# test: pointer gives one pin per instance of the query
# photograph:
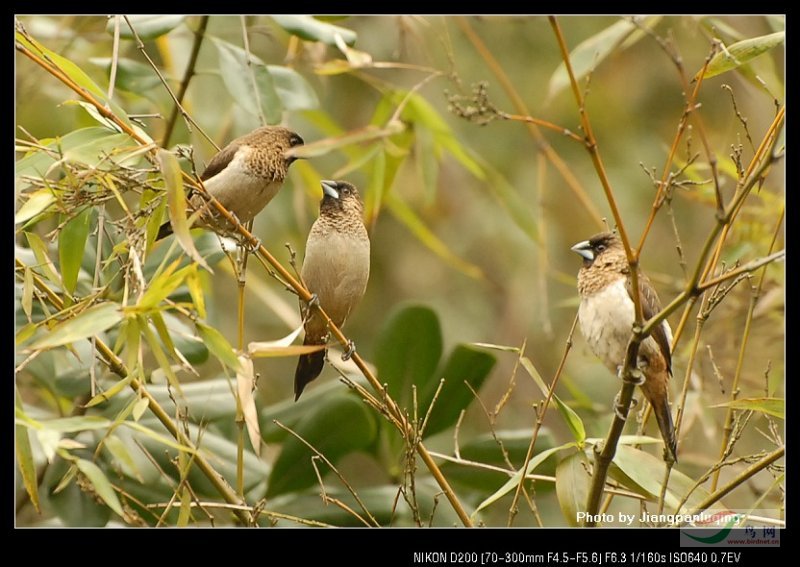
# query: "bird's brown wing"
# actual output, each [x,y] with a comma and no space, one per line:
[220,161]
[651,306]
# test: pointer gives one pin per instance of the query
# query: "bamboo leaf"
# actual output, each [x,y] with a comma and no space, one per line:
[239,70]
[71,244]
[100,483]
[246,388]
[46,266]
[27,468]
[37,202]
[571,418]
[311,29]
[147,27]
[512,483]
[176,200]
[741,52]
[218,345]
[572,486]
[592,51]
[770,406]
[89,323]
[292,88]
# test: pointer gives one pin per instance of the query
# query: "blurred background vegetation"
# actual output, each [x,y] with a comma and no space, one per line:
[471,215]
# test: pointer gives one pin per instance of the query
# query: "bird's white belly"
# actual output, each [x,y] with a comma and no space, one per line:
[606,318]
[240,191]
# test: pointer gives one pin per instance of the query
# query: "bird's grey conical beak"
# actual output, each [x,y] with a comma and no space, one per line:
[584,249]
[329,188]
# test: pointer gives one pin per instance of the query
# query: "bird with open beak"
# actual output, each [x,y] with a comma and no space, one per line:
[244,176]
[335,270]
[606,316]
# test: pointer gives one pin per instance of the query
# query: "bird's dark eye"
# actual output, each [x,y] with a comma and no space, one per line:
[600,247]
[295,140]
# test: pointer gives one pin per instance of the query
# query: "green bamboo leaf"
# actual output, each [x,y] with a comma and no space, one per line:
[75,423]
[147,27]
[45,265]
[218,345]
[75,73]
[341,425]
[512,483]
[592,51]
[119,452]
[573,421]
[160,286]
[39,163]
[27,467]
[27,293]
[71,242]
[644,473]
[119,386]
[741,52]
[311,29]
[101,484]
[405,215]
[89,323]
[158,353]
[37,202]
[572,486]
[292,88]
[465,364]
[486,450]
[171,170]
[407,352]
[770,406]
[239,70]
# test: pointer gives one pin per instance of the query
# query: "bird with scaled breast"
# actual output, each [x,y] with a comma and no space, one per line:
[606,316]
[335,270]
[244,176]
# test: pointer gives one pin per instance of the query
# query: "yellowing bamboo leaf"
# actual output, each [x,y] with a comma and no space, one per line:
[173,180]
[770,406]
[139,409]
[27,468]
[89,323]
[245,388]
[37,202]
[740,53]
[110,393]
[46,265]
[27,292]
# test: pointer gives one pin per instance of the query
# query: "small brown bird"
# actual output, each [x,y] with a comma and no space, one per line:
[606,316]
[335,269]
[245,175]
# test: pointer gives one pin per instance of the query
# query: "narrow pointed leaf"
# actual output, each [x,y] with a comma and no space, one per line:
[572,486]
[741,52]
[89,323]
[71,242]
[101,484]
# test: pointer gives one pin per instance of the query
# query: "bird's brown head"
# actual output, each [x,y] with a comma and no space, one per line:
[340,198]
[600,245]
[275,142]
